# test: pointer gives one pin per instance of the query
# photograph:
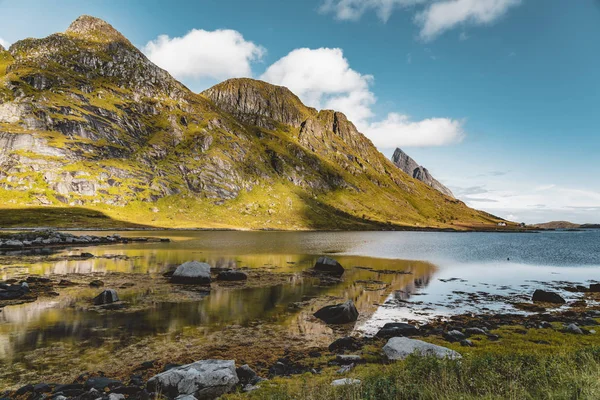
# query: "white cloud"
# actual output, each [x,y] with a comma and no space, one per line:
[323,78]
[200,54]
[436,17]
[4,43]
[444,15]
[399,131]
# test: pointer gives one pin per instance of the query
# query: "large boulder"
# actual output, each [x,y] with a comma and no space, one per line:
[543,296]
[338,314]
[328,266]
[595,287]
[207,379]
[399,348]
[393,329]
[192,272]
[108,296]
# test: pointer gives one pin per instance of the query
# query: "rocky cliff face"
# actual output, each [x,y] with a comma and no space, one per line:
[410,166]
[87,120]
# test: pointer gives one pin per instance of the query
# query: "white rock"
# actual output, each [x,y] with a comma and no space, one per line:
[398,348]
[345,382]
[193,272]
[207,379]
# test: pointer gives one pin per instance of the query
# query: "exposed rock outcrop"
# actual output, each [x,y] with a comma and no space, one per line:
[108,296]
[410,166]
[398,348]
[207,379]
[192,272]
[338,314]
[544,296]
[328,266]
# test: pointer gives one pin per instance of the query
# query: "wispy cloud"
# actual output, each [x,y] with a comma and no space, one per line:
[433,17]
[354,9]
[442,16]
[4,43]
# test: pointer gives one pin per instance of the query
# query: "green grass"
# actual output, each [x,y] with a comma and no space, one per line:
[515,367]
[485,376]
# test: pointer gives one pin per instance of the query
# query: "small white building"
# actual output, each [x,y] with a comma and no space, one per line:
[501,223]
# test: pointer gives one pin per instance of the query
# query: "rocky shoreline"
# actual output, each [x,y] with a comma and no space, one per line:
[212,378]
[208,378]
[47,238]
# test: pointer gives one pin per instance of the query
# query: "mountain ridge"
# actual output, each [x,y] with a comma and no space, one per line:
[86,120]
[412,168]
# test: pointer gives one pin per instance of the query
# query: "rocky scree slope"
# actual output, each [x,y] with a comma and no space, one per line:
[410,166]
[87,120]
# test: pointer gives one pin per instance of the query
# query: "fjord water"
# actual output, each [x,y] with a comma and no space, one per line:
[384,271]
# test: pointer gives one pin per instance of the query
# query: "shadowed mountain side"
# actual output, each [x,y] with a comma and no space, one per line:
[63,217]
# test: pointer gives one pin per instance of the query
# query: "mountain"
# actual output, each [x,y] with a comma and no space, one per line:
[410,166]
[556,225]
[565,225]
[88,123]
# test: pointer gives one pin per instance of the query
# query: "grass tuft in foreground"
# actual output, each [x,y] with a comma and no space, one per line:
[564,375]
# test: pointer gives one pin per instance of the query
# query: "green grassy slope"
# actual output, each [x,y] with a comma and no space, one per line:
[87,121]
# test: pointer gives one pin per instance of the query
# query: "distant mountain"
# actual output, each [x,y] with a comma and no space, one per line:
[410,166]
[86,120]
[565,225]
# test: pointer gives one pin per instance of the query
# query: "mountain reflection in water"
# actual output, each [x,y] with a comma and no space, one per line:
[49,321]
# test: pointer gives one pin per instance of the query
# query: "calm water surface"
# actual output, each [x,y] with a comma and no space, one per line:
[437,268]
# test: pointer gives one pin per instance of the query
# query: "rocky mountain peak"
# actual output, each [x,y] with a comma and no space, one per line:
[259,103]
[412,168]
[95,29]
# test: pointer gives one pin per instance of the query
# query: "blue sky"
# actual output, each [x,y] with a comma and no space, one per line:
[498,98]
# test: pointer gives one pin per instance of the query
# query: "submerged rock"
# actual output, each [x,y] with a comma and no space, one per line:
[231,276]
[338,314]
[399,348]
[393,329]
[108,296]
[543,296]
[328,265]
[207,379]
[192,272]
